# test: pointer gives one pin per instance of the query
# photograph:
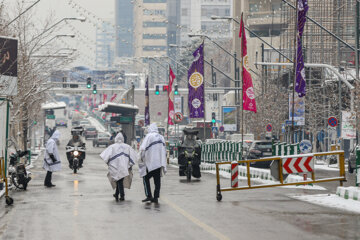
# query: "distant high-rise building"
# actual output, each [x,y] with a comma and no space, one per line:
[150,28]
[105,45]
[196,15]
[124,19]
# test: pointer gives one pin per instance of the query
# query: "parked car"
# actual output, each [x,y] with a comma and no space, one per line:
[90,132]
[102,139]
[260,149]
[61,122]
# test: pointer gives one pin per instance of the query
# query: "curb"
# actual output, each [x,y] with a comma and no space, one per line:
[348,193]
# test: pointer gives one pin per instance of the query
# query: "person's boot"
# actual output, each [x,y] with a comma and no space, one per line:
[122,198]
[155,200]
[148,199]
[116,197]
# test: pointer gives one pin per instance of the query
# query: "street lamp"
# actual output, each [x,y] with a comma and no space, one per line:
[61,35]
[81,19]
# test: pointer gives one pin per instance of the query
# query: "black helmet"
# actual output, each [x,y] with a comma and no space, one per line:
[77,130]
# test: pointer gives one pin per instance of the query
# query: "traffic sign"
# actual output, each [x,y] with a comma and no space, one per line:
[178,117]
[221,129]
[269,127]
[214,129]
[50,116]
[332,121]
[298,164]
[141,123]
[305,146]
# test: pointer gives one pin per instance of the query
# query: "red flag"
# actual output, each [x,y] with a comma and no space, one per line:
[171,97]
[243,36]
[105,98]
[249,102]
[113,97]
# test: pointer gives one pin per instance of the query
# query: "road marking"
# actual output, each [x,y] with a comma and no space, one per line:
[196,221]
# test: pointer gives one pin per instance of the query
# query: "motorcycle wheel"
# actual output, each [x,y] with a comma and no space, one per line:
[75,169]
[188,173]
[9,201]
[15,181]
[25,186]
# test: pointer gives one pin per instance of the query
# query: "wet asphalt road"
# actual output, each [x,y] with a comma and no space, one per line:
[81,207]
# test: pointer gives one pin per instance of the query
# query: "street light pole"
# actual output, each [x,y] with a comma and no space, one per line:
[22,13]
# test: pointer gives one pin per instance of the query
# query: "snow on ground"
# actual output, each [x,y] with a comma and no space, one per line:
[97,124]
[330,200]
[333,167]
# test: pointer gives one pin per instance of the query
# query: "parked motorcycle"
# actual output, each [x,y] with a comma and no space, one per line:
[76,156]
[19,176]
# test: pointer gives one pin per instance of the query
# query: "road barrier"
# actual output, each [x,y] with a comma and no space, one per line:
[296,164]
[224,150]
[283,149]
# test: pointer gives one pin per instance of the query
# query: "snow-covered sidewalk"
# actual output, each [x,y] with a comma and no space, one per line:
[97,124]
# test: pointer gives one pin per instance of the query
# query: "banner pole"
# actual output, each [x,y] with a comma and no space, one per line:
[294,80]
[242,92]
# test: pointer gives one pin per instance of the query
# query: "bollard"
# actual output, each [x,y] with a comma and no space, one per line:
[234,175]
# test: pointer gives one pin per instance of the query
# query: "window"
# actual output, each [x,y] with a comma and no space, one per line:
[253,7]
[154,24]
[184,12]
[154,12]
[154,48]
[154,36]
[154,1]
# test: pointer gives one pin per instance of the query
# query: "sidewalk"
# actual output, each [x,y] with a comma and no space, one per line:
[36,154]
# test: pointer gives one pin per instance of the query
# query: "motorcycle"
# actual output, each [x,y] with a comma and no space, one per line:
[189,156]
[75,155]
[17,170]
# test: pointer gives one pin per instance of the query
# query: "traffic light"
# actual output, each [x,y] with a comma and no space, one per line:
[157,92]
[165,88]
[213,116]
[88,82]
[94,89]
[176,91]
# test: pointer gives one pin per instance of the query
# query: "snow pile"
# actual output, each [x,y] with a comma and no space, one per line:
[349,193]
[330,200]
[97,124]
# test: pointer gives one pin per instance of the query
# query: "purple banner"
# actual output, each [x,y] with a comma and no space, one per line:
[300,86]
[196,84]
[147,113]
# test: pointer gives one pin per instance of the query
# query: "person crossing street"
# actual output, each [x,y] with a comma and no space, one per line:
[52,161]
[152,163]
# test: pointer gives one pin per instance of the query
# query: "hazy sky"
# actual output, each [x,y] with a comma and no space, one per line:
[85,32]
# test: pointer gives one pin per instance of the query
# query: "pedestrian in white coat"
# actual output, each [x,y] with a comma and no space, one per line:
[52,162]
[120,158]
[152,162]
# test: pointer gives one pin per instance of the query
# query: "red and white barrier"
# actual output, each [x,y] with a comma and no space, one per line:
[234,174]
[298,164]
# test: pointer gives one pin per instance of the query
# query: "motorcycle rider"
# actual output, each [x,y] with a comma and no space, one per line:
[75,141]
[190,141]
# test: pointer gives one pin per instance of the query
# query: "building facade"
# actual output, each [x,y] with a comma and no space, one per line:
[150,28]
[105,46]
[124,19]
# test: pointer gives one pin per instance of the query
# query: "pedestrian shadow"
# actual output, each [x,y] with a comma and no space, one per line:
[192,181]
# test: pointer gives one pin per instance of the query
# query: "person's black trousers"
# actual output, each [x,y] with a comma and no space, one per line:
[47,181]
[120,188]
[156,174]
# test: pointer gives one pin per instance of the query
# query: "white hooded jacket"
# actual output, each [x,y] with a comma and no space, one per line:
[51,148]
[153,151]
[119,157]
